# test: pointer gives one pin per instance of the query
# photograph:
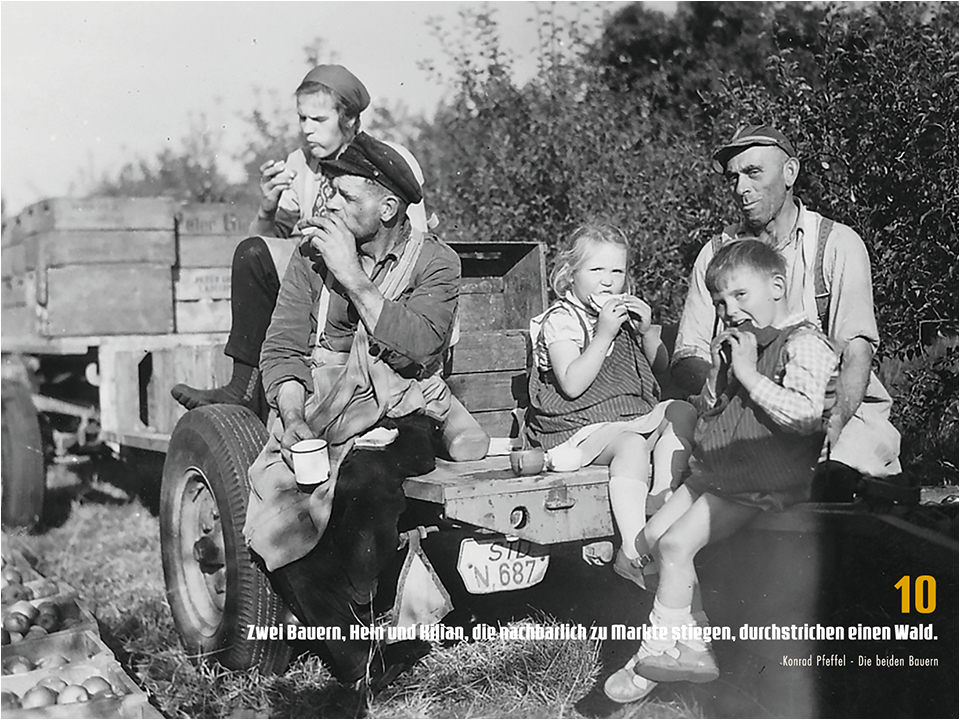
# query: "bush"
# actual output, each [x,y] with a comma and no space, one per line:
[924,388]
[623,129]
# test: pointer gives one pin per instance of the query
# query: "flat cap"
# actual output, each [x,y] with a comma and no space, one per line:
[369,158]
[341,81]
[747,137]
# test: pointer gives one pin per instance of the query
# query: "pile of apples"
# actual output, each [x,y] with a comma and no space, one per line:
[21,618]
[56,691]
[13,588]
[24,620]
[15,665]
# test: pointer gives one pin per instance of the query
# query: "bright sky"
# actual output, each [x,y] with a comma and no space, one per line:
[88,86]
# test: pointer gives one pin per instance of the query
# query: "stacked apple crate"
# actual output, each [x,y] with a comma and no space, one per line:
[89,267]
[54,663]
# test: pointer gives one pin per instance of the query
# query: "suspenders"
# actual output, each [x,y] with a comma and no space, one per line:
[821,292]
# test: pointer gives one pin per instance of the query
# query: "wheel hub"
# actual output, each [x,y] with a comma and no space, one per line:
[202,551]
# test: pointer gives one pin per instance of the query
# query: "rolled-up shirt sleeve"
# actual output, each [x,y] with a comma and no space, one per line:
[851,312]
[699,317]
[285,352]
[796,404]
[414,330]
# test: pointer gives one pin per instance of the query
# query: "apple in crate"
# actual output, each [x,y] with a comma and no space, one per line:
[27,609]
[52,661]
[15,592]
[98,687]
[16,665]
[54,683]
[38,696]
[16,623]
[9,700]
[73,694]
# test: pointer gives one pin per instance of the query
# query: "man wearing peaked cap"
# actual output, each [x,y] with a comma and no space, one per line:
[369,158]
[828,277]
[363,319]
[750,136]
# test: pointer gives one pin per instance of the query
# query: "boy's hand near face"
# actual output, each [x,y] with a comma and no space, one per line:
[743,355]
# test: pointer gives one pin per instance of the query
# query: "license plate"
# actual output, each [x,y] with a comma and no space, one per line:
[489,566]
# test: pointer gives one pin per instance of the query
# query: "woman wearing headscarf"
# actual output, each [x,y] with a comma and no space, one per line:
[329,102]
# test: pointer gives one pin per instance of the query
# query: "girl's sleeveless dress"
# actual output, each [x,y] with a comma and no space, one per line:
[624,397]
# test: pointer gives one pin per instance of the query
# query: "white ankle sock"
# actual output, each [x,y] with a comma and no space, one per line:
[668,618]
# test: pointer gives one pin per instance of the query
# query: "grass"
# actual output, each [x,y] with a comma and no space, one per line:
[108,547]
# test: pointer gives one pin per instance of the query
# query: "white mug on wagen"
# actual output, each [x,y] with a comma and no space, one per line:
[311,463]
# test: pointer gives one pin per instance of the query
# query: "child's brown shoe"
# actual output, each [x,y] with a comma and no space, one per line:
[680,662]
[633,569]
[625,686]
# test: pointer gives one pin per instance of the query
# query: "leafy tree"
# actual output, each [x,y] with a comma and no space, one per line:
[623,129]
[190,173]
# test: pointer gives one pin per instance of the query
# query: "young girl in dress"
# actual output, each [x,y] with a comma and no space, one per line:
[593,394]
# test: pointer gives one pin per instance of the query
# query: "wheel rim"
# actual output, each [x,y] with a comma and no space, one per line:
[203,567]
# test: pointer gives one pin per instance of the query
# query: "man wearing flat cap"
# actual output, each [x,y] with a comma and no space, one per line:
[353,352]
[828,277]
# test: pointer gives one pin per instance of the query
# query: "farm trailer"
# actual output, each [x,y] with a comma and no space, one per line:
[108,302]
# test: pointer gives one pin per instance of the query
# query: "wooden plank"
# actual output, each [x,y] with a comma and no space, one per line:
[480,392]
[203,316]
[481,286]
[495,423]
[108,299]
[144,440]
[210,283]
[214,219]
[486,351]
[120,389]
[490,476]
[207,250]
[8,233]
[481,312]
[33,344]
[13,260]
[103,213]
[86,247]
[107,367]
[200,366]
[15,291]
[19,324]
[524,289]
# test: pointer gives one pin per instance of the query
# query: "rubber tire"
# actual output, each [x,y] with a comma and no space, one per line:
[23,472]
[220,442]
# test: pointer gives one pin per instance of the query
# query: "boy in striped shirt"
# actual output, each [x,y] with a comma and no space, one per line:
[758,439]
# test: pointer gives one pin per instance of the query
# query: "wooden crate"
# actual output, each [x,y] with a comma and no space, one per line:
[207,236]
[503,285]
[202,299]
[102,213]
[107,299]
[89,267]
[126,703]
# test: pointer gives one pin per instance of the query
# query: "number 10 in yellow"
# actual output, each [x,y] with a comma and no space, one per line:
[925,593]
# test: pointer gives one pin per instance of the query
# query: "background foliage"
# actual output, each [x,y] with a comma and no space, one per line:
[622,128]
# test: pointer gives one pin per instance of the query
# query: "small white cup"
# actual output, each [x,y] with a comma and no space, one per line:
[311,463]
